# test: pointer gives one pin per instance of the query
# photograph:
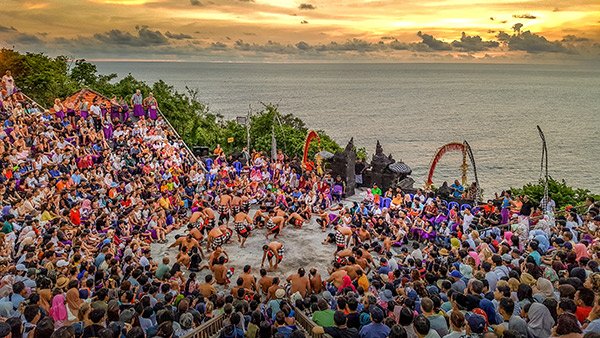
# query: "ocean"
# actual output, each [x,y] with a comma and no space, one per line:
[414,109]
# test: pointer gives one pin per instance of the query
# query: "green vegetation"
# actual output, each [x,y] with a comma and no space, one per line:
[560,192]
[44,78]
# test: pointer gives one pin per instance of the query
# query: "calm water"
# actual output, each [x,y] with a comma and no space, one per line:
[416,108]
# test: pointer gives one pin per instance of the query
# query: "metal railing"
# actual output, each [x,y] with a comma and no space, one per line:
[187,148]
[190,152]
[307,324]
[209,329]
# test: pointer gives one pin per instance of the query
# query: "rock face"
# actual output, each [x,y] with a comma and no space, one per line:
[342,164]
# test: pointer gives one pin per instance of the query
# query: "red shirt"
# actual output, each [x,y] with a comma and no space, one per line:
[582,313]
[75,216]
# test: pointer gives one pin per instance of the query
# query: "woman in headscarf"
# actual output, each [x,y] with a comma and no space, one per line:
[58,311]
[508,238]
[476,258]
[581,251]
[543,289]
[73,303]
[540,321]
[346,283]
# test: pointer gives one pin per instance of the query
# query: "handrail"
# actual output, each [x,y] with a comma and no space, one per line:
[191,153]
[306,323]
[207,329]
[32,101]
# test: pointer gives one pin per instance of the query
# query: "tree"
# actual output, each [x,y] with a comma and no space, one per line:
[44,78]
[559,191]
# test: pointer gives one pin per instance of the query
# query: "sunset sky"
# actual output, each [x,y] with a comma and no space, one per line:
[304,30]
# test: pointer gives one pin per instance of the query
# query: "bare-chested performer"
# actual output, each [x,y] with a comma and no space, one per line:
[316,283]
[236,204]
[272,252]
[351,268]
[265,282]
[224,206]
[186,243]
[362,235]
[260,217]
[241,224]
[280,212]
[248,278]
[215,255]
[219,270]
[296,220]
[336,276]
[245,203]
[342,256]
[217,237]
[209,219]
[274,224]
[195,232]
[346,235]
[299,282]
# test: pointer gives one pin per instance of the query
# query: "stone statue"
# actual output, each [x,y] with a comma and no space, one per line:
[342,164]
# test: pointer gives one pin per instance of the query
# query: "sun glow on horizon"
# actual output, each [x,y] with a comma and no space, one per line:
[181,26]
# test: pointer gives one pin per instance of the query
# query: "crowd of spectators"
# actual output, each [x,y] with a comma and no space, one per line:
[89,187]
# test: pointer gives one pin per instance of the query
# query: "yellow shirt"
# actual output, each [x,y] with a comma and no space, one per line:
[363,282]
[164,202]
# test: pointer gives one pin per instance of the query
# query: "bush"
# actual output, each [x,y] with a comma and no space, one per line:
[559,191]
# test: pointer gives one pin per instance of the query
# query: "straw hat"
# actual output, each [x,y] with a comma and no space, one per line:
[62,282]
[528,279]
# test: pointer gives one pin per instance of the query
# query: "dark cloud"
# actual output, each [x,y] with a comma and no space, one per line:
[388,38]
[533,43]
[303,22]
[503,37]
[524,16]
[195,3]
[397,45]
[23,38]
[7,29]
[303,46]
[517,27]
[356,45]
[246,0]
[305,6]
[573,38]
[218,46]
[144,38]
[433,43]
[178,36]
[269,47]
[473,43]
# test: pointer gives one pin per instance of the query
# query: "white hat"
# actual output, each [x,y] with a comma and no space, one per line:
[280,293]
[62,263]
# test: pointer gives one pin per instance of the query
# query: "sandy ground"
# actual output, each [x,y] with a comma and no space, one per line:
[303,248]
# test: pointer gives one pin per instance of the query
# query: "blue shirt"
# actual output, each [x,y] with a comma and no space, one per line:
[374,330]
[457,190]
[537,257]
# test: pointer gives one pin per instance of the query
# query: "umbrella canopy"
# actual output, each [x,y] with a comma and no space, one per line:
[400,168]
[325,154]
